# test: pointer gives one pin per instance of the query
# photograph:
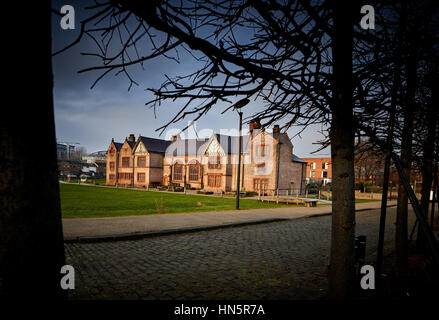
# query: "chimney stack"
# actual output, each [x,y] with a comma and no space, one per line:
[276,129]
[132,137]
[254,124]
[175,138]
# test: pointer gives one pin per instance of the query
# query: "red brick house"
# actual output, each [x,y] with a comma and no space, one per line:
[318,170]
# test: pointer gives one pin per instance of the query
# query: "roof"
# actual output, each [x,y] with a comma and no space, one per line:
[186,147]
[297,159]
[131,143]
[230,144]
[118,145]
[155,145]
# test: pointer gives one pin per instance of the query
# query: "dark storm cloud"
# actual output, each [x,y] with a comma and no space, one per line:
[93,117]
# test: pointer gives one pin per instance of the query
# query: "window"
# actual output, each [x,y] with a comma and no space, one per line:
[125,162]
[193,172]
[260,184]
[313,165]
[111,177]
[125,176]
[324,174]
[112,152]
[260,168]
[141,177]
[141,162]
[178,172]
[325,165]
[214,180]
[214,162]
[313,174]
[112,166]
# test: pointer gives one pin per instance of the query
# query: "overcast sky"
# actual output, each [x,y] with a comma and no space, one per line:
[92,117]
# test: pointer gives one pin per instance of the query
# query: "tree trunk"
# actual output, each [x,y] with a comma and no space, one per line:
[401,245]
[341,272]
[31,240]
[427,159]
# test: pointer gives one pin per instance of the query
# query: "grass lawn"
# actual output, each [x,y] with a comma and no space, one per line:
[365,200]
[87,201]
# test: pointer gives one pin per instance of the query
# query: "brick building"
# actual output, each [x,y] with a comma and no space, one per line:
[318,170]
[211,164]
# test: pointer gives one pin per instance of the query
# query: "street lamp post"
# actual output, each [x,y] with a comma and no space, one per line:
[238,180]
[238,105]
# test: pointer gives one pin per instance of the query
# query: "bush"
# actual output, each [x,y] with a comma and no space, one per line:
[250,194]
[204,192]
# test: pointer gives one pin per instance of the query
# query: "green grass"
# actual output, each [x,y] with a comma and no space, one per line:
[102,181]
[366,200]
[79,201]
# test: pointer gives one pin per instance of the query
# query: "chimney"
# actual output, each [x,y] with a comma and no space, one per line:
[175,138]
[254,124]
[132,137]
[276,129]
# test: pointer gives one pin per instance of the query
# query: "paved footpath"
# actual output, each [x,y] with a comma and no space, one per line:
[132,226]
[277,260]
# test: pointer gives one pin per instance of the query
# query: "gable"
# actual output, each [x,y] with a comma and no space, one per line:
[140,148]
[126,148]
[214,148]
[114,147]
[111,147]
[263,137]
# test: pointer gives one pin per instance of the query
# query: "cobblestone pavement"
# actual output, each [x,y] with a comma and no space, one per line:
[278,260]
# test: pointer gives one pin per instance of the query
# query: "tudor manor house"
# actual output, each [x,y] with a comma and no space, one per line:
[210,164]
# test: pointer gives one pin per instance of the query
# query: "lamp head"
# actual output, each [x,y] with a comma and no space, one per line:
[241,103]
